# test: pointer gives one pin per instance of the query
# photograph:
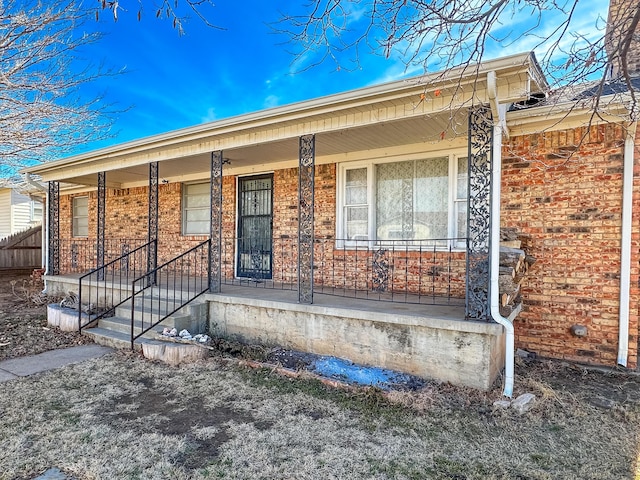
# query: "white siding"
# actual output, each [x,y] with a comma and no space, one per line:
[20,211]
[5,212]
[15,212]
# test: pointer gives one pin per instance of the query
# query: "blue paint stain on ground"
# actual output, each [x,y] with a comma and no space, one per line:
[346,371]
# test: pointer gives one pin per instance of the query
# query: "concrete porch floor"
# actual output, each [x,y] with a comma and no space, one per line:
[324,300]
[398,304]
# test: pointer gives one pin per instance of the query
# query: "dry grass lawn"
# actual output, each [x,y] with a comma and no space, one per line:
[123,417]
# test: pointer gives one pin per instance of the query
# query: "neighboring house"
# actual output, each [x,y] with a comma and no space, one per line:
[18,211]
[366,224]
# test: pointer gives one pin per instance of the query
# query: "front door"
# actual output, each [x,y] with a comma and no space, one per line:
[255,221]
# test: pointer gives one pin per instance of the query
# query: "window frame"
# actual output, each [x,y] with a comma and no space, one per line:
[35,206]
[453,198]
[184,209]
[74,217]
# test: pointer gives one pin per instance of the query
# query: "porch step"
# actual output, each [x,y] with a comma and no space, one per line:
[114,338]
[116,331]
[123,325]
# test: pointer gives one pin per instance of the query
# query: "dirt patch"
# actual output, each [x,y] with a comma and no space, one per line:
[291,359]
[23,324]
[204,429]
[601,387]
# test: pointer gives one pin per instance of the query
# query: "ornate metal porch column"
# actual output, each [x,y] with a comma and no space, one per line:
[152,255]
[53,239]
[306,171]
[100,230]
[479,213]
[215,233]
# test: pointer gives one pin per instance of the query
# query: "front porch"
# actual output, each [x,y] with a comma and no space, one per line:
[430,341]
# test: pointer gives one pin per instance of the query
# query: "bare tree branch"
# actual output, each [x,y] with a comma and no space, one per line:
[42,115]
[437,35]
[173,10]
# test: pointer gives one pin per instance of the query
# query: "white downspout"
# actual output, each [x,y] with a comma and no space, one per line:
[625,256]
[494,254]
[45,229]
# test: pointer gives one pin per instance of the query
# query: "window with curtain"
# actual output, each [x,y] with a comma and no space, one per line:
[80,217]
[196,208]
[406,200]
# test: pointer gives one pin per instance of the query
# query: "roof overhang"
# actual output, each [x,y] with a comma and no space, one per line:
[418,112]
[571,114]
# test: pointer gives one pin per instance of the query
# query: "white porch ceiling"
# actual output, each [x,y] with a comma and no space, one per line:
[417,130]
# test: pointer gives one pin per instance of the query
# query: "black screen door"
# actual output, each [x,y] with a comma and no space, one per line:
[255,221]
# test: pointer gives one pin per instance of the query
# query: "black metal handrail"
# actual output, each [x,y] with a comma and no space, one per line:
[167,288]
[104,279]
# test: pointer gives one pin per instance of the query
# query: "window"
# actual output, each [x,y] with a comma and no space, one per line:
[196,209]
[406,200]
[80,221]
[36,211]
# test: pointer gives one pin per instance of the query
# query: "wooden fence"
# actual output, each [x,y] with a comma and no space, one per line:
[22,250]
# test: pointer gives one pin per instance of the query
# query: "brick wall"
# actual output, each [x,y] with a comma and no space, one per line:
[564,188]
[127,218]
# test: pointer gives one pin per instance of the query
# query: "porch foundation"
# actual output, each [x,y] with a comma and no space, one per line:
[435,346]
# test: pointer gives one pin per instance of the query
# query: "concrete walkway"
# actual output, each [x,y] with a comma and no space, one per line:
[25,366]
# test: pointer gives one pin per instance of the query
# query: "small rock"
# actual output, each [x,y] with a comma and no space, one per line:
[524,354]
[523,403]
[601,402]
[504,404]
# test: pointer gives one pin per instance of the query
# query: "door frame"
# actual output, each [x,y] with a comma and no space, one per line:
[238,226]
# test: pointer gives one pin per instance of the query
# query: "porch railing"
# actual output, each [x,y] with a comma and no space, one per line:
[164,290]
[428,271]
[78,255]
[103,289]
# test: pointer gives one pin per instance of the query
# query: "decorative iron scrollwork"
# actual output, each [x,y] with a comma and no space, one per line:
[54,228]
[100,233]
[74,256]
[124,262]
[215,234]
[306,173]
[152,255]
[380,270]
[479,213]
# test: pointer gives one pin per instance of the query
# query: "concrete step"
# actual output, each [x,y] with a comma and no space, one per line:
[123,325]
[112,338]
[192,317]
[149,315]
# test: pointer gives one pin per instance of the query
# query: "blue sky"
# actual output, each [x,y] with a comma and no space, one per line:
[172,81]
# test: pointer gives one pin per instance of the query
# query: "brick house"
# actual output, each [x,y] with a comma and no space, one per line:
[367,224]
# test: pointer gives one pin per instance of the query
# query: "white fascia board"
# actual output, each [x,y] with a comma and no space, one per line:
[563,115]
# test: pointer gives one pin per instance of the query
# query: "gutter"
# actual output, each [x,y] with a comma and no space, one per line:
[494,254]
[625,255]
